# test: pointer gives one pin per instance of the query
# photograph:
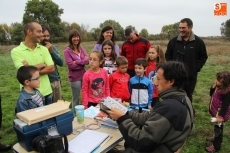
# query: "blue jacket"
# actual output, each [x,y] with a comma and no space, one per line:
[143,87]
[25,102]
[57,61]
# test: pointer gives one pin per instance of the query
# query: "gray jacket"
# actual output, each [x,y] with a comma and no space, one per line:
[164,129]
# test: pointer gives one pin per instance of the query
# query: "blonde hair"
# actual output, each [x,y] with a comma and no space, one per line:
[161,56]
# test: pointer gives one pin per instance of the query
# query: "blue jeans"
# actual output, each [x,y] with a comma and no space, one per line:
[48,99]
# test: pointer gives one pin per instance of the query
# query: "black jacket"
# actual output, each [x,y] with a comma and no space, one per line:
[192,52]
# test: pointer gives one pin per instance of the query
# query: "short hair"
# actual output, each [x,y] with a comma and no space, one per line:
[128,31]
[101,37]
[28,26]
[188,21]
[121,60]
[25,73]
[73,33]
[141,62]
[45,28]
[175,70]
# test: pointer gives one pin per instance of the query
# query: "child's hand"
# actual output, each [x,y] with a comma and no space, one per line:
[150,108]
[214,85]
[219,119]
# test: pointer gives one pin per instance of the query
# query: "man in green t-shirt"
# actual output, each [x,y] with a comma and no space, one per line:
[30,52]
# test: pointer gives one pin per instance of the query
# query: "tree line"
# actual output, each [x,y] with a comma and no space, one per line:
[48,13]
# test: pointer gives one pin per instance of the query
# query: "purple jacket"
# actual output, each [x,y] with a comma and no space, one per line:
[97,47]
[76,64]
[219,104]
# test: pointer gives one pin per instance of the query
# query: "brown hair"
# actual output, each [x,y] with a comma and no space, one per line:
[224,78]
[100,57]
[28,26]
[141,62]
[73,33]
[121,60]
[111,44]
[161,56]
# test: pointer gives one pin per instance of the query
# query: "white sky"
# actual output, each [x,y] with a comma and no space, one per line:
[149,14]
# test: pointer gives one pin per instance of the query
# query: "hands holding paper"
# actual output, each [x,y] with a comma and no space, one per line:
[115,113]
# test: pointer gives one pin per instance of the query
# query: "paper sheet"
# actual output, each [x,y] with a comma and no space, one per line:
[87,141]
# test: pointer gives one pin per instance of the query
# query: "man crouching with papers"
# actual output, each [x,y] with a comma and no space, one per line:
[165,128]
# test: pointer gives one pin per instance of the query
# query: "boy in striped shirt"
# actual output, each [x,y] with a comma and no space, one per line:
[29,97]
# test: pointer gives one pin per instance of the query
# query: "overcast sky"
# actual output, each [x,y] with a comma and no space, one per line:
[149,14]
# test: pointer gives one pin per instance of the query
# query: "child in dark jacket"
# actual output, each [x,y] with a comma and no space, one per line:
[29,97]
[219,108]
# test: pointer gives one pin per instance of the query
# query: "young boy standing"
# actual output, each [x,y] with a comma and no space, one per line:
[29,96]
[118,80]
[140,87]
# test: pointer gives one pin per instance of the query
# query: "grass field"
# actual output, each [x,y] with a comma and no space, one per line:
[218,52]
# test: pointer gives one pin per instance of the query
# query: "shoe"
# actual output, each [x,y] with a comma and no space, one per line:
[210,149]
[4,147]
[211,139]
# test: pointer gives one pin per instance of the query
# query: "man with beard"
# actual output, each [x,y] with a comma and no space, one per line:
[30,52]
[189,49]
[53,77]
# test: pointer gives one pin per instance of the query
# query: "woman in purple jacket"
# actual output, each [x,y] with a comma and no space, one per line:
[107,33]
[76,58]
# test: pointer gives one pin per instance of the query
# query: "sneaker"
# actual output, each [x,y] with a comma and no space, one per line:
[210,149]
[211,139]
[4,147]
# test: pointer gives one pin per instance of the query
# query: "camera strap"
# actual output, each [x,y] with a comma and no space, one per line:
[65,142]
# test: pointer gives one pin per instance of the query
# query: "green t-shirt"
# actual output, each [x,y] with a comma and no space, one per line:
[37,56]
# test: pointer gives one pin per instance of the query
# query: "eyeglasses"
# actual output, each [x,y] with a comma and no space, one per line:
[33,79]
[93,60]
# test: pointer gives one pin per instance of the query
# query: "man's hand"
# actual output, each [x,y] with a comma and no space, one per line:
[49,46]
[25,63]
[41,66]
[115,113]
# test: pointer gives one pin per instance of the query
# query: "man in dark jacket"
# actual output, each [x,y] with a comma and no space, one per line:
[165,128]
[189,49]
[133,48]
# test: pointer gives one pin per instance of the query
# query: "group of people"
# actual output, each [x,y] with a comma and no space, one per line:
[137,73]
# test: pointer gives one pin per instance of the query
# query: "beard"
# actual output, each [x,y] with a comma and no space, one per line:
[43,42]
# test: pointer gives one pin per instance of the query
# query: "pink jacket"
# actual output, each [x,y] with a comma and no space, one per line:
[95,86]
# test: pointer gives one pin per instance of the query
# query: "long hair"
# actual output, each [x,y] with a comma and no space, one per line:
[101,38]
[113,53]
[73,33]
[161,56]
[224,78]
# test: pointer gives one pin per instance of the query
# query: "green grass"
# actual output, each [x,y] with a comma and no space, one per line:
[218,52]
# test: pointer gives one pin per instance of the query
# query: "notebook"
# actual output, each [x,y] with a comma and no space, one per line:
[110,123]
[87,141]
